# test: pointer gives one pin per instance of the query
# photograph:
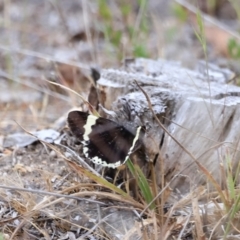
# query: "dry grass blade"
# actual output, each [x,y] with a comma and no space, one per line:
[184,227]
[21,224]
[46,202]
[215,183]
[140,226]
[43,56]
[34,86]
[207,18]
[200,191]
[198,222]
[123,195]
[84,236]
[45,193]
[90,107]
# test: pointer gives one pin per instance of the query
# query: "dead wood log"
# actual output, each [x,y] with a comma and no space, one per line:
[201,111]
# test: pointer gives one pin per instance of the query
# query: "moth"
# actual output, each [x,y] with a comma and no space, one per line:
[104,141]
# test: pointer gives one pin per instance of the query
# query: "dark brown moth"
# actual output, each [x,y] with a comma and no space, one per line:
[105,142]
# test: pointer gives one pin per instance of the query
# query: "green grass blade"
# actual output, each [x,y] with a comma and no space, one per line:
[142,183]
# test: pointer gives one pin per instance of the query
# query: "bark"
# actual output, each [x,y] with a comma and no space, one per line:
[199,110]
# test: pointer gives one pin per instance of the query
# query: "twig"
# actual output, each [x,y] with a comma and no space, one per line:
[207,18]
[50,194]
[44,56]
